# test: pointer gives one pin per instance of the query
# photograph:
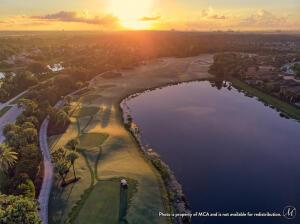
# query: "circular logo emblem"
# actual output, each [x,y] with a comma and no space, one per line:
[289,212]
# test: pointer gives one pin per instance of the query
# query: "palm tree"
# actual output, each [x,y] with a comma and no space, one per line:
[68,99]
[62,168]
[61,117]
[72,144]
[7,157]
[58,155]
[72,157]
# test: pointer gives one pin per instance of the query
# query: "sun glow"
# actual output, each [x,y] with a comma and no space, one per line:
[131,12]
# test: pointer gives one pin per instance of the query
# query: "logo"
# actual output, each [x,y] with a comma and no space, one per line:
[289,212]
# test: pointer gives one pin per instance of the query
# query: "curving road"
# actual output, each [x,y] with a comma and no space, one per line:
[48,172]
[48,166]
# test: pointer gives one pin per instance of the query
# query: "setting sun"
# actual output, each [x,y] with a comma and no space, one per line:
[131,12]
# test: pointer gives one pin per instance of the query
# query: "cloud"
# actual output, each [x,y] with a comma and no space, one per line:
[150,18]
[263,18]
[71,16]
[217,17]
[211,14]
[21,20]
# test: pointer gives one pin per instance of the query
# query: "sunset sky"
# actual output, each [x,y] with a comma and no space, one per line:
[199,15]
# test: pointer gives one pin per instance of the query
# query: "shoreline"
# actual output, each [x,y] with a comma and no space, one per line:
[182,206]
[177,199]
[157,192]
[283,108]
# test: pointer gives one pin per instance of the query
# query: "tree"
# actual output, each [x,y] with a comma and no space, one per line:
[30,158]
[59,154]
[62,168]
[62,165]
[37,67]
[68,99]
[29,105]
[27,189]
[18,210]
[7,157]
[22,119]
[30,135]
[72,157]
[10,127]
[61,117]
[73,144]
[27,124]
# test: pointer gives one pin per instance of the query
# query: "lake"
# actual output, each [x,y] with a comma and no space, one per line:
[230,152]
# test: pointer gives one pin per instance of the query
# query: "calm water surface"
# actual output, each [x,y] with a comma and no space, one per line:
[230,152]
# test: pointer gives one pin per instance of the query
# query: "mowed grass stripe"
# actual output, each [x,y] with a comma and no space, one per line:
[86,111]
[103,203]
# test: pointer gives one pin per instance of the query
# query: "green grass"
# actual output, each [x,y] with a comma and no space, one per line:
[92,140]
[62,200]
[86,111]
[282,106]
[4,110]
[89,98]
[119,157]
[83,123]
[105,203]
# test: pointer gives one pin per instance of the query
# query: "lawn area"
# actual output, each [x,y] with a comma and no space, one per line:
[89,98]
[86,111]
[282,106]
[62,200]
[119,157]
[107,159]
[91,140]
[103,204]
[4,110]
[83,123]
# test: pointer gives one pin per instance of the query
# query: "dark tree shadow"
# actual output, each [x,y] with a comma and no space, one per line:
[123,205]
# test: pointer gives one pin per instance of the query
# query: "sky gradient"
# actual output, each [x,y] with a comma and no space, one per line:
[202,15]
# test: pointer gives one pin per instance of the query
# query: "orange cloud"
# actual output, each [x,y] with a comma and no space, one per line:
[211,14]
[263,18]
[150,18]
[71,16]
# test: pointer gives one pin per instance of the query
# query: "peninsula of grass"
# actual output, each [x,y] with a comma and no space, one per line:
[4,110]
[105,160]
[86,111]
[284,107]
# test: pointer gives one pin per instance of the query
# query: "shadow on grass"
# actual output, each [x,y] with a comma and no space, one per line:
[60,196]
[123,205]
[105,116]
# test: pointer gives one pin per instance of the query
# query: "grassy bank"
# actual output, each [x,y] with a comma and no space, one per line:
[284,107]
